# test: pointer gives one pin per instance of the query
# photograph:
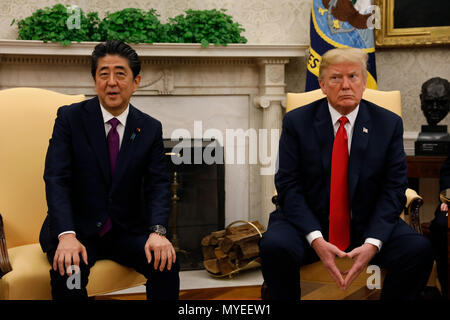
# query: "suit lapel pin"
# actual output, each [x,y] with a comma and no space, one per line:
[365,130]
[138,130]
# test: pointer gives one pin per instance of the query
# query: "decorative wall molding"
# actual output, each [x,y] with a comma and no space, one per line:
[34,47]
[198,61]
[38,59]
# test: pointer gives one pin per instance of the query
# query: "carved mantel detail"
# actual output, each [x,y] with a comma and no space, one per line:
[161,81]
[264,102]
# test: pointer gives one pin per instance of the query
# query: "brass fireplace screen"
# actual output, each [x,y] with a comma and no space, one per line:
[198,200]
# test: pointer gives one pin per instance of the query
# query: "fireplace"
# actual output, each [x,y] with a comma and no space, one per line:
[197,195]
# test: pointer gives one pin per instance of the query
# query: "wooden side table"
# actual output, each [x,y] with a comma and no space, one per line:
[423,167]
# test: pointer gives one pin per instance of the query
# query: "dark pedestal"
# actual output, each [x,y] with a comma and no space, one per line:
[432,141]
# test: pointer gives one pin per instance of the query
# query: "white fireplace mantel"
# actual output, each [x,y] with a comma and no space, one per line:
[244,82]
[34,47]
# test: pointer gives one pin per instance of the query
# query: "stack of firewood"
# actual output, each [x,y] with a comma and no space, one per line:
[227,250]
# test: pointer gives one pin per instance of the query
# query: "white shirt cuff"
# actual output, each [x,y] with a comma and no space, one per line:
[66,232]
[375,242]
[310,237]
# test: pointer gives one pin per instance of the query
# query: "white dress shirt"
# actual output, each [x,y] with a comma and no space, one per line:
[349,126]
[120,130]
[122,122]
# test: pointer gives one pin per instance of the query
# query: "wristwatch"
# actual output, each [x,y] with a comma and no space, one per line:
[159,229]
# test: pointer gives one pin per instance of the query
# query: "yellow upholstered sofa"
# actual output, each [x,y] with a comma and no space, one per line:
[27,116]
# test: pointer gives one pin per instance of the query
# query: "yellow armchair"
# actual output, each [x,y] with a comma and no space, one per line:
[26,124]
[391,100]
[315,272]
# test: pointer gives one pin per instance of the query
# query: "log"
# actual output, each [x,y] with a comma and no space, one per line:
[232,254]
[238,239]
[249,249]
[208,252]
[219,253]
[218,234]
[216,237]
[206,240]
[212,265]
[225,266]
[226,244]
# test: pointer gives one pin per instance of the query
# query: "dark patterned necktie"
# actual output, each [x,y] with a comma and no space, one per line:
[113,143]
[113,146]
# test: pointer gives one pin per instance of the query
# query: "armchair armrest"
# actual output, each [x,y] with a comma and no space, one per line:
[411,212]
[5,265]
[413,204]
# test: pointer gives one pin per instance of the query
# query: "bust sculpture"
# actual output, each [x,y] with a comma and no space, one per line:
[435,100]
[435,104]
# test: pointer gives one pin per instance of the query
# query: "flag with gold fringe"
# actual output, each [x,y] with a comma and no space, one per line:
[340,24]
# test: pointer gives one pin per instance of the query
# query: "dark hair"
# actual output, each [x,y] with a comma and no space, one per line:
[119,48]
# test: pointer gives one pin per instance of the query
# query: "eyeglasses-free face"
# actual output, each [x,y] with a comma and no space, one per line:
[114,83]
[343,84]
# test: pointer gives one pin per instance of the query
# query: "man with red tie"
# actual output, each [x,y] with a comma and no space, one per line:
[107,184]
[341,187]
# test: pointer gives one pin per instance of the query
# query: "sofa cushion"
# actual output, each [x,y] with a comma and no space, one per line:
[30,277]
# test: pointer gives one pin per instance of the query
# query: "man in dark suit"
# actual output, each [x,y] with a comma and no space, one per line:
[106,184]
[439,230]
[341,188]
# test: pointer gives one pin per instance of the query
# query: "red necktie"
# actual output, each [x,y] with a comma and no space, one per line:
[339,198]
[113,146]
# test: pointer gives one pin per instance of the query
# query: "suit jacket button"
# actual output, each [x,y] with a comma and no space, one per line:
[99,224]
